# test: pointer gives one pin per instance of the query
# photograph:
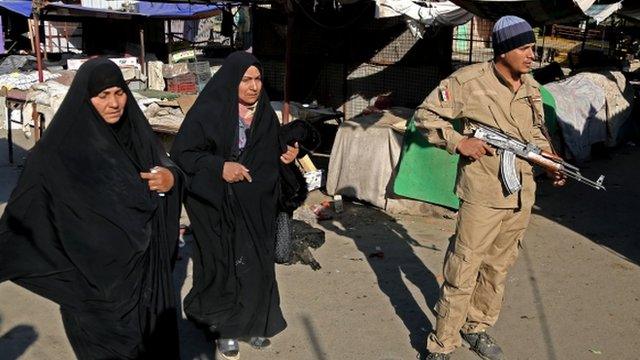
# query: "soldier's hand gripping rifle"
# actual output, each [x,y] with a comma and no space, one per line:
[509,148]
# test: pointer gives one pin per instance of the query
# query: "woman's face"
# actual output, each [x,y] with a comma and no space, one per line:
[250,86]
[110,104]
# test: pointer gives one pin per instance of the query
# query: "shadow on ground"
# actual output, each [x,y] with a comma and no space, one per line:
[608,218]
[389,250]
[9,172]
[194,344]
[15,342]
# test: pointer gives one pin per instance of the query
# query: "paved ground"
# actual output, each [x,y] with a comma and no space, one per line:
[574,293]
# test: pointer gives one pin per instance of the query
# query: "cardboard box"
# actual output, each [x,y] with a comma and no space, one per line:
[315,179]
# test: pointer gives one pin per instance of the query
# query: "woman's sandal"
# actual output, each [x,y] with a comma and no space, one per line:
[228,348]
[259,343]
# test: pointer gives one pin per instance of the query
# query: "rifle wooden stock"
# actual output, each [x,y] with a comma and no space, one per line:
[544,162]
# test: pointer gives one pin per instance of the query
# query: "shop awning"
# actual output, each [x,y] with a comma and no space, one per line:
[17,6]
[537,12]
[159,10]
[600,13]
[427,13]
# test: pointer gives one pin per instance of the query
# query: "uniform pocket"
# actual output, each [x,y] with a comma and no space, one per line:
[442,308]
[459,269]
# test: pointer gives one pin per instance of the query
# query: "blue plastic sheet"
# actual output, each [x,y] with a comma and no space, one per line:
[17,6]
[145,9]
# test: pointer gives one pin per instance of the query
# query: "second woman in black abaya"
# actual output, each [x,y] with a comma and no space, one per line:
[232,167]
[86,227]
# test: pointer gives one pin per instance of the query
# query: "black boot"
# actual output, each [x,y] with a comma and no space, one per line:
[484,345]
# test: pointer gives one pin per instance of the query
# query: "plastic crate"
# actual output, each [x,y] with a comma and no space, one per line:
[203,78]
[183,84]
[199,67]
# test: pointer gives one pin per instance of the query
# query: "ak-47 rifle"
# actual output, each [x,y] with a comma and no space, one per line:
[509,148]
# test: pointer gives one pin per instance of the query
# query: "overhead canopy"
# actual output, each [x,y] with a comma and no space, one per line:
[20,7]
[630,14]
[537,12]
[428,13]
[158,10]
[600,13]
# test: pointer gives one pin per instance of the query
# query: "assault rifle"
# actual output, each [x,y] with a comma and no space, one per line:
[509,148]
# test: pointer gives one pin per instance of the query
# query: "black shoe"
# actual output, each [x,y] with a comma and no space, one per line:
[259,342]
[484,345]
[437,356]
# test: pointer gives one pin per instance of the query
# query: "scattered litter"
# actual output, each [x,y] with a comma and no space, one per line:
[527,317]
[337,204]
[423,329]
[377,254]
[450,215]
[356,259]
[433,247]
[322,211]
[595,351]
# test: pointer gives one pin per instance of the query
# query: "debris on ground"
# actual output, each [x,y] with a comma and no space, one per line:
[323,210]
[305,237]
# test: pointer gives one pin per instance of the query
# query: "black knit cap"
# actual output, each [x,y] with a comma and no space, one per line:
[511,32]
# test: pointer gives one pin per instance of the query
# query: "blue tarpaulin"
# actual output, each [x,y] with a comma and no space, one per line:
[148,9]
[143,9]
[17,6]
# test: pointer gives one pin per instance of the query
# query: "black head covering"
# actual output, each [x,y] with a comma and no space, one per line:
[82,228]
[104,76]
[234,290]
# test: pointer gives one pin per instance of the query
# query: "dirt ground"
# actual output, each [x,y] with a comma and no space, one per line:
[573,294]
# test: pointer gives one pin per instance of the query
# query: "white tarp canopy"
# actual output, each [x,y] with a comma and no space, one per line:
[600,13]
[426,13]
[537,12]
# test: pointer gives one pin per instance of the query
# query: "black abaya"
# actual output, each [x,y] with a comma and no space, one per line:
[234,292]
[83,229]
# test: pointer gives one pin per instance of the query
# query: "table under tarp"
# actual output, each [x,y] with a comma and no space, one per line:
[364,158]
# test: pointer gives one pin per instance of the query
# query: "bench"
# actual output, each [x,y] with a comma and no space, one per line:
[571,32]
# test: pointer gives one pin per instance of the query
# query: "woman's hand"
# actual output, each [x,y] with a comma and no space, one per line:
[291,154]
[160,179]
[233,172]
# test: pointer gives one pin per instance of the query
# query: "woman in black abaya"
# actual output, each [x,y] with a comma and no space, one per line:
[88,228]
[229,149]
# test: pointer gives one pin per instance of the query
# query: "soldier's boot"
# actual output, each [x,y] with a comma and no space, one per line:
[484,345]
[437,356]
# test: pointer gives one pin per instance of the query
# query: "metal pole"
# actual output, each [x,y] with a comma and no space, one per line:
[36,30]
[584,34]
[287,69]
[37,126]
[544,37]
[471,41]
[142,51]
[4,94]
